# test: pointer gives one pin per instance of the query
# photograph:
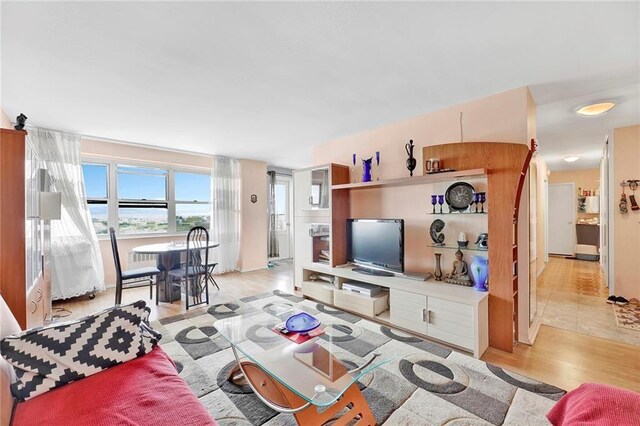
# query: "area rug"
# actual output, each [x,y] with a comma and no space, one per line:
[628,316]
[426,383]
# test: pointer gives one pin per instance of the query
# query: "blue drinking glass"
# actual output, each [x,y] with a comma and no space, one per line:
[441,202]
[434,201]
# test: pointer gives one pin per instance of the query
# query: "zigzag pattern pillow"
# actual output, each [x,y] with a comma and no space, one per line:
[47,357]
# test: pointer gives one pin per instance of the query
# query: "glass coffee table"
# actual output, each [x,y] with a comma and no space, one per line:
[305,379]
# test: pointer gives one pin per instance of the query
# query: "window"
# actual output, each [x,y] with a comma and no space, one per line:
[193,192]
[96,178]
[143,206]
[137,199]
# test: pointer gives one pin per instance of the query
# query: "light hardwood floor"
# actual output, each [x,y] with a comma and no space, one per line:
[572,296]
[559,357]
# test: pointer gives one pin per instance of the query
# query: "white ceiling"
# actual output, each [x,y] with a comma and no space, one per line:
[270,80]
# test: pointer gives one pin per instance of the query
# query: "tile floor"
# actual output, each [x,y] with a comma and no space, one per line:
[572,296]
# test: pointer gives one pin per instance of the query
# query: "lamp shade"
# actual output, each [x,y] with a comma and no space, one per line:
[49,205]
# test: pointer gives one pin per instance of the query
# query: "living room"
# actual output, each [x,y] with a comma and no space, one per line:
[315,212]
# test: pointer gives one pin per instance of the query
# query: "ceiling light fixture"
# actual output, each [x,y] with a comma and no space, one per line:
[571,158]
[594,110]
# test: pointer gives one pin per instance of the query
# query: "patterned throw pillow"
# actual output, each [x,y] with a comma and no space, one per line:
[47,357]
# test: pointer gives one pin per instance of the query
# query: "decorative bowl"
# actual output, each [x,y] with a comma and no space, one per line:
[463,243]
[302,323]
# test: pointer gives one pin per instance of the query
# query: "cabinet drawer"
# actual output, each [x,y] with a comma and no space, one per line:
[368,306]
[318,291]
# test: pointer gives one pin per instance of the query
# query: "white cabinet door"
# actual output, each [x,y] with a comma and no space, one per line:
[408,310]
[302,192]
[303,247]
[451,322]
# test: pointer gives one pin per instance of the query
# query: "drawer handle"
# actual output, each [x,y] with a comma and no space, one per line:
[35,306]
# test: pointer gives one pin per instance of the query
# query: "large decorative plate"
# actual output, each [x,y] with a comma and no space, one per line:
[459,196]
[302,323]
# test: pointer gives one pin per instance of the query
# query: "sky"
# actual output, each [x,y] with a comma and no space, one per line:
[150,186]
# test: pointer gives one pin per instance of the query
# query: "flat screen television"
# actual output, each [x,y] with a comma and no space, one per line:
[376,246]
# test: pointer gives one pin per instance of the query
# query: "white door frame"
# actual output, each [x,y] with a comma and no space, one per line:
[546,219]
[611,195]
[574,208]
[289,180]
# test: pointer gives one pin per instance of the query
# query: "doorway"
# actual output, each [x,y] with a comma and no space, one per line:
[562,231]
[283,206]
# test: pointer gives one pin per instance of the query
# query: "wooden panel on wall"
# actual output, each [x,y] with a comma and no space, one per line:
[504,164]
[12,222]
[340,212]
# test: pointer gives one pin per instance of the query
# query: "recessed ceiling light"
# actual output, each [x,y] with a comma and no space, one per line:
[571,158]
[594,110]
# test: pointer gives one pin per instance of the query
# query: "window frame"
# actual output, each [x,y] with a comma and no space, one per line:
[113,202]
[99,200]
[177,202]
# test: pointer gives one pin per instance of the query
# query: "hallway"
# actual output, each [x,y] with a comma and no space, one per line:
[572,296]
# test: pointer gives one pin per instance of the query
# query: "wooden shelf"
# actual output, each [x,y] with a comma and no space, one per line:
[416,180]
[485,214]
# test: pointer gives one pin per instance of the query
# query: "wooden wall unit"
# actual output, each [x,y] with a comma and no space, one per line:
[12,222]
[506,165]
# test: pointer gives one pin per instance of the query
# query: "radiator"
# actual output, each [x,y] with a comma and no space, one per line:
[140,260]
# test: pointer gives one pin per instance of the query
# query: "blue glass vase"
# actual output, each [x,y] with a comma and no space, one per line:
[479,269]
[366,170]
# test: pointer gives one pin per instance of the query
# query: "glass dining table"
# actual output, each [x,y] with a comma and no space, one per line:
[306,379]
[168,258]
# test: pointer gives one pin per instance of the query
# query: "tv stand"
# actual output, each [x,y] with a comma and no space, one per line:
[371,271]
[452,314]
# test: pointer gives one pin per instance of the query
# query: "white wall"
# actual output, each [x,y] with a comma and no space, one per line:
[254,216]
[5,122]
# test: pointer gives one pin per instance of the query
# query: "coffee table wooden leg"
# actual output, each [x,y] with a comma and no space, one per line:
[351,408]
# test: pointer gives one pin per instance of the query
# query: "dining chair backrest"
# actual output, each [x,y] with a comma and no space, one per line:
[197,242]
[116,254]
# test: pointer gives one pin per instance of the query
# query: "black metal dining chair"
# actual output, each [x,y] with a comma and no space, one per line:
[193,273]
[210,269]
[132,278]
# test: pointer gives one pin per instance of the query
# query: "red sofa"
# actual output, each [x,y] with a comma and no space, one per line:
[143,391]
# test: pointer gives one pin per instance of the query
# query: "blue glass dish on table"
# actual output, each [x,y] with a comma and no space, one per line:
[302,323]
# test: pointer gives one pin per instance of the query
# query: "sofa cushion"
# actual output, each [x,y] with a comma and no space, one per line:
[47,357]
[146,391]
[597,405]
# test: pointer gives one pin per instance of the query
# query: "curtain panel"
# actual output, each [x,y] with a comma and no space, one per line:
[76,262]
[225,213]
[272,237]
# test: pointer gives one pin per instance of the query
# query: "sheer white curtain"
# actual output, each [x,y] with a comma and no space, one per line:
[76,263]
[225,213]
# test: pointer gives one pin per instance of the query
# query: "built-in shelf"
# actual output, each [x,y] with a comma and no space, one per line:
[458,213]
[384,316]
[456,248]
[416,180]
